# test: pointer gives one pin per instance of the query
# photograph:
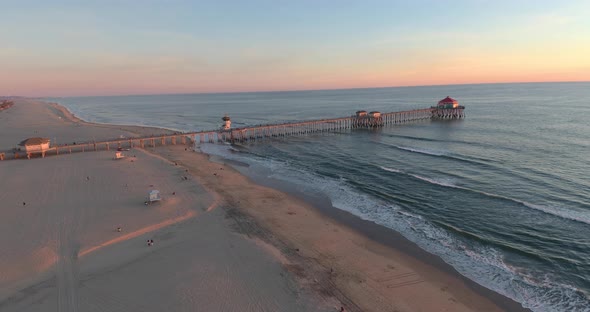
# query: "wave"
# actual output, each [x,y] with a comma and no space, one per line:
[493,164]
[433,181]
[568,214]
[445,154]
[391,169]
[473,143]
[442,182]
[421,151]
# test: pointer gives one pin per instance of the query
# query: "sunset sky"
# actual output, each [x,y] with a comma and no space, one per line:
[69,48]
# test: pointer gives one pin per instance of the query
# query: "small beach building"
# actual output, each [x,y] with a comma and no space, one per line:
[448,102]
[35,146]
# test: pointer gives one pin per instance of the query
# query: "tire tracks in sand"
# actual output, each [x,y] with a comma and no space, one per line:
[67,267]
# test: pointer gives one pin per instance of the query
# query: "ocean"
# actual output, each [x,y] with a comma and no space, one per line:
[503,195]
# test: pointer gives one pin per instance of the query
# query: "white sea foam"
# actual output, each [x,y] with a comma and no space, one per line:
[391,169]
[442,182]
[421,151]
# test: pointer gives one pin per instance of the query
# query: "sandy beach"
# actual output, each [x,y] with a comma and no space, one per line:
[221,241]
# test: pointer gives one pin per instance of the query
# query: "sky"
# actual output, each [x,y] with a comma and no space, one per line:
[79,48]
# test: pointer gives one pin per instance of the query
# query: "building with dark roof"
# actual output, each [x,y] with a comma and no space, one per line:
[35,145]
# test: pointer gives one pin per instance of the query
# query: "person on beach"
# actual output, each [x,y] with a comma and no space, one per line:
[24,204]
[119,229]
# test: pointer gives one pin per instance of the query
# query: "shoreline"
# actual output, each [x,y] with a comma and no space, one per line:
[372,238]
[69,115]
[378,233]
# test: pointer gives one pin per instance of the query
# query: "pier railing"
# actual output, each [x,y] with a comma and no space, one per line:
[251,133]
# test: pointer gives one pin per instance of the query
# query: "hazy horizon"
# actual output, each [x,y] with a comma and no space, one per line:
[309,90]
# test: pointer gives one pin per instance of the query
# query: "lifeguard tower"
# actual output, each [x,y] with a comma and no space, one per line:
[154,196]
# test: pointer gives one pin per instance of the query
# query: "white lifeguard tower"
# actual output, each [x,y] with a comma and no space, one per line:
[154,196]
[118,155]
[226,123]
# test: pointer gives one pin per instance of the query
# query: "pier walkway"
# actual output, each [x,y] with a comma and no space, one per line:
[361,119]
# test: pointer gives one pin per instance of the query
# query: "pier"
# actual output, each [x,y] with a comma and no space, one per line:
[359,120]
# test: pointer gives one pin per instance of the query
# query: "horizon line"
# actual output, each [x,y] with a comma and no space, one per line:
[298,90]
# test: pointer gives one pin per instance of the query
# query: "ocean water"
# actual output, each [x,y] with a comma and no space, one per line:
[503,196]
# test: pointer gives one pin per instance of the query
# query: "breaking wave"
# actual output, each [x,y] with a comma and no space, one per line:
[569,213]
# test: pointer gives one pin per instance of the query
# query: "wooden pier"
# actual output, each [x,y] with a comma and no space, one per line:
[361,119]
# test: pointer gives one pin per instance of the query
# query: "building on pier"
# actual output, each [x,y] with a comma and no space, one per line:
[362,119]
[448,102]
[35,146]
[448,108]
[375,114]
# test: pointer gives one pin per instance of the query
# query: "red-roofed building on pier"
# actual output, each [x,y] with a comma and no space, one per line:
[448,108]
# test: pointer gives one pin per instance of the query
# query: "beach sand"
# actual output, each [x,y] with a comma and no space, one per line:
[222,242]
